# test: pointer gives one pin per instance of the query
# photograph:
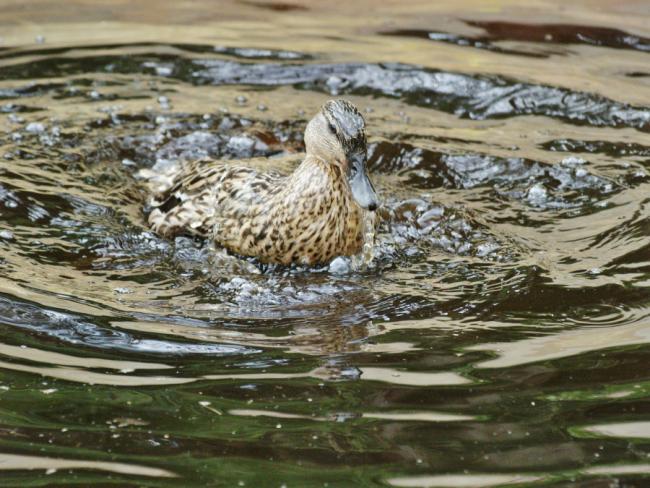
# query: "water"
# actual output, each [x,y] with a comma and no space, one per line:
[497,332]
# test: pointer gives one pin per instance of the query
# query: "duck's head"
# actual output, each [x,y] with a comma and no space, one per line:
[337,136]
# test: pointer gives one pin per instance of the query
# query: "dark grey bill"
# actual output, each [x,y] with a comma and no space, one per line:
[361,186]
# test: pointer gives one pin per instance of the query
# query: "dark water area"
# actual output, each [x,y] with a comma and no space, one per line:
[496,31]
[498,337]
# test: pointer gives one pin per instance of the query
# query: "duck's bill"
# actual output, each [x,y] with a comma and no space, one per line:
[362,190]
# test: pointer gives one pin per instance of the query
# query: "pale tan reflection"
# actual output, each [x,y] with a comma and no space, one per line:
[563,344]
[244,412]
[490,480]
[266,376]
[311,31]
[444,324]
[386,375]
[396,416]
[410,378]
[33,354]
[461,480]
[93,378]
[20,462]
[12,287]
[640,430]
[618,469]
[579,239]
[312,340]
[418,416]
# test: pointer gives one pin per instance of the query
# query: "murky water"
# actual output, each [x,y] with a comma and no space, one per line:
[499,336]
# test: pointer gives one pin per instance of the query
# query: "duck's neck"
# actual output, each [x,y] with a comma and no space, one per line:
[316,176]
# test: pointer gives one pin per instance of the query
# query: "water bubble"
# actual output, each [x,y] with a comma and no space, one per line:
[35,128]
[537,194]
[340,265]
[161,69]
[241,146]
[486,249]
[335,84]
[572,161]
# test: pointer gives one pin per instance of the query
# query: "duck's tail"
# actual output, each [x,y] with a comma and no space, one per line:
[175,209]
[159,180]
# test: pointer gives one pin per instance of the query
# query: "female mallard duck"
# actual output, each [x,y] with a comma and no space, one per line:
[308,217]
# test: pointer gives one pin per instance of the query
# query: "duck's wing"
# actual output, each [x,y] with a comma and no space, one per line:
[199,193]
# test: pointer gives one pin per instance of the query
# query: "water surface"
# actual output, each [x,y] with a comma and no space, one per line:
[500,335]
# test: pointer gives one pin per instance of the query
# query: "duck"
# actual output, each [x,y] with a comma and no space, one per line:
[309,217]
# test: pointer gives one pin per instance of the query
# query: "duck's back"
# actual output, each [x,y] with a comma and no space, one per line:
[306,218]
[199,194]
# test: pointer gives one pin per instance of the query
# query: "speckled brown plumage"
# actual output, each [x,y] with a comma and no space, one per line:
[308,217]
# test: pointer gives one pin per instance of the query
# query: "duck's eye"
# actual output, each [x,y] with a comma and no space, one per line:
[332,128]
[353,172]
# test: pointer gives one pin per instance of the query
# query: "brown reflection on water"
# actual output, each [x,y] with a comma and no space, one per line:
[312,339]
[48,357]
[563,344]
[94,378]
